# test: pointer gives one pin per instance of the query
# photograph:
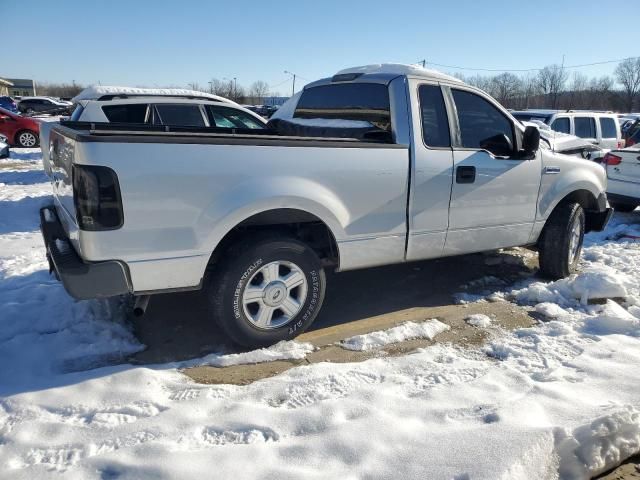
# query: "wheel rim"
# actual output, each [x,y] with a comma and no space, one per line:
[575,240]
[27,139]
[275,294]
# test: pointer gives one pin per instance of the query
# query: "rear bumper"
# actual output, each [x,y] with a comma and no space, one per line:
[596,220]
[82,280]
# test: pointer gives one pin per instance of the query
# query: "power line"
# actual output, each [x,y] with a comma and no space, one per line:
[281,83]
[457,67]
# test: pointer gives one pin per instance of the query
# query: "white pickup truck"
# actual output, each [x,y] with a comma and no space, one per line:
[376,165]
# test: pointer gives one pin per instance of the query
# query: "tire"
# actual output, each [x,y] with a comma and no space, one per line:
[623,207]
[27,139]
[248,295]
[561,240]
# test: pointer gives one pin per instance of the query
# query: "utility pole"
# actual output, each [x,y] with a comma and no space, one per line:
[293,86]
[424,63]
[210,87]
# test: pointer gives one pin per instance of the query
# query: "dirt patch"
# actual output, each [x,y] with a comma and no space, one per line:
[629,470]
[504,314]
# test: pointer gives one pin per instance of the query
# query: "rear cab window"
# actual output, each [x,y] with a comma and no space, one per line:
[608,127]
[367,102]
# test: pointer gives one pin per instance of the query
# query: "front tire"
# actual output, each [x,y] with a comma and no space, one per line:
[27,139]
[561,240]
[266,289]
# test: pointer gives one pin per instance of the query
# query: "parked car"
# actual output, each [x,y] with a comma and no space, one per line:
[44,105]
[4,147]
[8,104]
[254,218]
[150,106]
[623,178]
[601,129]
[20,131]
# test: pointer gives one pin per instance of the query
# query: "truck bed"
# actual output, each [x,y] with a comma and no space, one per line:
[142,133]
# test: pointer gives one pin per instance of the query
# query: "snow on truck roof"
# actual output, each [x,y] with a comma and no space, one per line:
[97,91]
[399,69]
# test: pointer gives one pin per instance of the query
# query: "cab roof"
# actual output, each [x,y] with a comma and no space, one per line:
[383,73]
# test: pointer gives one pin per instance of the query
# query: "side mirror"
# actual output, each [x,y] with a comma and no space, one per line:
[531,140]
[500,145]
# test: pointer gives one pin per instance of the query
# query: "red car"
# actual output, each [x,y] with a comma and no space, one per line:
[20,131]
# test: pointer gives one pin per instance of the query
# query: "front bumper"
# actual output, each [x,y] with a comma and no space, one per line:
[596,220]
[82,280]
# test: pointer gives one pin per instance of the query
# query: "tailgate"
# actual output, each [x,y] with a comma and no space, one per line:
[61,155]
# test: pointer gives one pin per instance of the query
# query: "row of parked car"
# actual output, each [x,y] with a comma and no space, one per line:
[37,105]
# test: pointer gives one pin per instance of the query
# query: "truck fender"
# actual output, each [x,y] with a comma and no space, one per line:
[568,182]
[256,195]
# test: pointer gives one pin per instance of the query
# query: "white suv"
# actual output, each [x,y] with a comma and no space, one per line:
[602,129]
[183,108]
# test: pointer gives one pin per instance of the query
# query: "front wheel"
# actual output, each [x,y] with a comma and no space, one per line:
[266,289]
[561,240]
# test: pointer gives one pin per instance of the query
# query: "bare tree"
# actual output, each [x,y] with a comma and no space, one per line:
[551,80]
[628,75]
[258,91]
[61,90]
[506,87]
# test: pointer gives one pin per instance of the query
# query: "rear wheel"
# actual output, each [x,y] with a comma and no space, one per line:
[27,139]
[561,240]
[266,289]
[624,207]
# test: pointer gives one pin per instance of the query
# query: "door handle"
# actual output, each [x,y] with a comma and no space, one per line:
[465,174]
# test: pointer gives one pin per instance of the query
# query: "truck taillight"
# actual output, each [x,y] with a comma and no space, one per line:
[611,159]
[96,195]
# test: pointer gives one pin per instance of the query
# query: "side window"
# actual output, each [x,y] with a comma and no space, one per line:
[585,127]
[136,113]
[347,101]
[561,125]
[435,126]
[225,117]
[482,125]
[608,127]
[180,115]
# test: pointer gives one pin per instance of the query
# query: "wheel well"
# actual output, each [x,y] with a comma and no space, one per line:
[587,201]
[302,225]
[585,198]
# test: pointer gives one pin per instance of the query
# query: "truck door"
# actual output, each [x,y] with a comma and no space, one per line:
[493,194]
[431,171]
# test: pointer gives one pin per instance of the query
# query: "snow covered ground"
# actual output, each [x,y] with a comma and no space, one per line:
[561,399]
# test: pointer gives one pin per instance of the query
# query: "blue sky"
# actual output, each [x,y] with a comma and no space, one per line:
[161,43]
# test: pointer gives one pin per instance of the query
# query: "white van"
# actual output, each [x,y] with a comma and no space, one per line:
[602,129]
